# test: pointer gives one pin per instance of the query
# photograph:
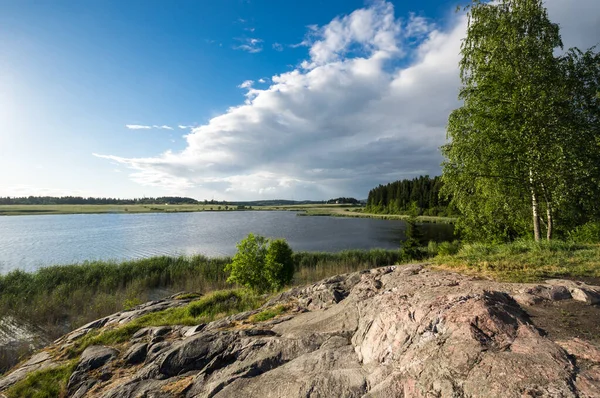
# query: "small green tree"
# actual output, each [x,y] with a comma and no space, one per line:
[279,264]
[261,264]
[246,269]
[411,246]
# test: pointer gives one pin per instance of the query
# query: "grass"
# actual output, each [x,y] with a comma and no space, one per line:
[213,306]
[267,314]
[333,210]
[525,261]
[47,383]
[21,210]
[61,298]
[357,212]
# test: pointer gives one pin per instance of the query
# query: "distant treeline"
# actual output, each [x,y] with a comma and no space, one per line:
[343,201]
[420,195]
[78,200]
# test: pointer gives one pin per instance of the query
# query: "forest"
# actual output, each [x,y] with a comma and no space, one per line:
[419,196]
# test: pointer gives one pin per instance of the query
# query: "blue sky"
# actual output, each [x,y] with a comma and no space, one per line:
[344,95]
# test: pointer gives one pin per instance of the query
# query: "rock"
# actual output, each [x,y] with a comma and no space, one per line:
[92,358]
[559,293]
[581,349]
[588,383]
[586,295]
[194,329]
[405,331]
[579,291]
[136,354]
[141,333]
[39,361]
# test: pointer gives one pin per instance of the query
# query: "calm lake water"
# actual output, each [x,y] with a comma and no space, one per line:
[30,242]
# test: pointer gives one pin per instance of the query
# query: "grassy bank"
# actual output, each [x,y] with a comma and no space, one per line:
[60,298]
[354,214]
[303,210]
[21,210]
[526,261]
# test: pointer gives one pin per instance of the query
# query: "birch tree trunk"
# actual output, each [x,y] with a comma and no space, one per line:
[534,208]
[549,227]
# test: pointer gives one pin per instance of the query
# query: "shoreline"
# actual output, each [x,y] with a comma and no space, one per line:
[302,210]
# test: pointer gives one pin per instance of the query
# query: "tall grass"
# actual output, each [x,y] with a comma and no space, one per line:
[60,298]
[525,260]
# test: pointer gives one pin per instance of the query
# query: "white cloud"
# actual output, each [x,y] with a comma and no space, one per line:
[147,127]
[251,45]
[246,84]
[353,115]
[262,80]
[137,127]
[277,47]
[184,127]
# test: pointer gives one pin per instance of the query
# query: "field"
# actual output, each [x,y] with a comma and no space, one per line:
[303,210]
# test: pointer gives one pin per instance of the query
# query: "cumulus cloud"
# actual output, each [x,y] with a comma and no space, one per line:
[251,45]
[246,84]
[368,105]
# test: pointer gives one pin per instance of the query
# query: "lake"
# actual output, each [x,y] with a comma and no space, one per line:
[30,242]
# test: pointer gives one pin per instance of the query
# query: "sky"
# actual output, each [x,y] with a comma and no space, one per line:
[232,99]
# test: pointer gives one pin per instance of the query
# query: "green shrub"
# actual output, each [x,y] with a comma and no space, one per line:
[448,248]
[587,233]
[279,264]
[261,264]
[411,247]
[248,264]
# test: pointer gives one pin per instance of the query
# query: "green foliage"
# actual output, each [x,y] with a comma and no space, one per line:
[223,302]
[47,383]
[525,260]
[247,266]
[411,247]
[419,196]
[60,298]
[261,264]
[279,264]
[587,233]
[269,313]
[443,248]
[512,152]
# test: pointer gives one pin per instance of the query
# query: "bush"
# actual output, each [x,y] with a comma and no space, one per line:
[279,264]
[411,247]
[448,248]
[261,264]
[587,233]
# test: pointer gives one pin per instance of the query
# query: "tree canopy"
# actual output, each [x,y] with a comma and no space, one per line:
[421,194]
[525,142]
